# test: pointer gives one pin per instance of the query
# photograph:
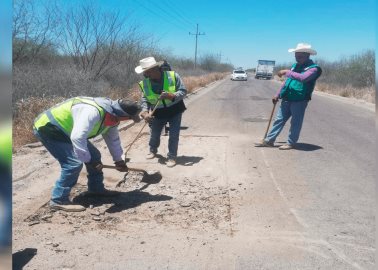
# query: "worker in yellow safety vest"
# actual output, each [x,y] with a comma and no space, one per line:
[163,91]
[65,129]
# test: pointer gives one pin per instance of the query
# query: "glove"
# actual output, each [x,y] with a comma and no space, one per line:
[97,165]
[121,166]
[147,117]
[166,95]
[136,118]
[274,99]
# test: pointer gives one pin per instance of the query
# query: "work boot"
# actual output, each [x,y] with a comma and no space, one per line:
[286,147]
[103,193]
[150,155]
[66,206]
[171,162]
[264,143]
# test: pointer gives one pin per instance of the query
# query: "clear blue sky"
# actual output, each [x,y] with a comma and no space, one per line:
[6,36]
[245,31]
[242,32]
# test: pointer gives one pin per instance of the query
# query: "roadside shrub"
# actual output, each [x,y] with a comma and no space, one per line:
[194,82]
[357,70]
[24,113]
[364,93]
[30,80]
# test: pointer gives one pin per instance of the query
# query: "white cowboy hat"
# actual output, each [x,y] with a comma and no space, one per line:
[147,63]
[303,47]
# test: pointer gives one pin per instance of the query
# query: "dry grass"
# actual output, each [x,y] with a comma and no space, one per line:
[367,93]
[133,93]
[194,82]
[25,113]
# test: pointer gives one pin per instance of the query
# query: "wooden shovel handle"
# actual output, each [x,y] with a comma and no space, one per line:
[270,120]
[137,136]
[130,169]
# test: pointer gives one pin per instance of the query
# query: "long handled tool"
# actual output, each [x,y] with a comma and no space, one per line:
[137,136]
[130,169]
[270,120]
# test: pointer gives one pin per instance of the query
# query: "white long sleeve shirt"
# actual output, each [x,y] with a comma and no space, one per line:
[85,118]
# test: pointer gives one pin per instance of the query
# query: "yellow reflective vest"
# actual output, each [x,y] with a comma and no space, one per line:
[60,115]
[6,145]
[169,85]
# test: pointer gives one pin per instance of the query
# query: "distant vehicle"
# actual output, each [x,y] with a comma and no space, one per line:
[264,69]
[238,75]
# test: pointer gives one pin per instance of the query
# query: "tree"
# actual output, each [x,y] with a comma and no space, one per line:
[91,37]
[32,31]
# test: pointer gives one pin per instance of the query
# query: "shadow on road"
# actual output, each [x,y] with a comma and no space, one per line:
[161,159]
[307,147]
[122,201]
[187,160]
[22,258]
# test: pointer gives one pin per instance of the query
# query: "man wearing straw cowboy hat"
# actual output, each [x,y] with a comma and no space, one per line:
[163,93]
[295,94]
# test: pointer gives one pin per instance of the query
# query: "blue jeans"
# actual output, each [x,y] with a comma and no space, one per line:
[295,110]
[174,134]
[6,203]
[71,167]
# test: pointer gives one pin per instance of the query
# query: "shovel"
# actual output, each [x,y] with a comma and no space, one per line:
[147,178]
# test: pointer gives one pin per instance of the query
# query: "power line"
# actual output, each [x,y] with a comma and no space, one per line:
[158,15]
[195,53]
[173,4]
[177,17]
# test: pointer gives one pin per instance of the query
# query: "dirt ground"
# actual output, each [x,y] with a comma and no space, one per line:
[174,200]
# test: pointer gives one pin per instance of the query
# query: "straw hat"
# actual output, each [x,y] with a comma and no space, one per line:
[303,47]
[147,63]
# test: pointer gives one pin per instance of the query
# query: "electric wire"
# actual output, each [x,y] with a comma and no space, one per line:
[163,19]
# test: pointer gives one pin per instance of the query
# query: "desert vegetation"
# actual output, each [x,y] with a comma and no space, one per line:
[83,51]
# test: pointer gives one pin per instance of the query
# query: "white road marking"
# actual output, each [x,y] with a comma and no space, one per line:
[293,211]
[325,243]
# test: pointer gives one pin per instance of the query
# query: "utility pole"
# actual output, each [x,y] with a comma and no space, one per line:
[195,53]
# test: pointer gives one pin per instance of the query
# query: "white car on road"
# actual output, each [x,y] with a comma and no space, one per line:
[238,75]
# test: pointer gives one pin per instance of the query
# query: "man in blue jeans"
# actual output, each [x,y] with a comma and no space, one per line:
[65,130]
[295,94]
[165,91]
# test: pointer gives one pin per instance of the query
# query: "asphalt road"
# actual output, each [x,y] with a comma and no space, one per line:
[226,204]
[318,200]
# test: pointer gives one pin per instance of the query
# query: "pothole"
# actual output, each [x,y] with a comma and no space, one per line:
[258,98]
[255,119]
